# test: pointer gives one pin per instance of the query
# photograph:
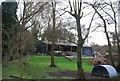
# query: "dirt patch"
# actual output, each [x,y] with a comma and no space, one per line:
[74,74]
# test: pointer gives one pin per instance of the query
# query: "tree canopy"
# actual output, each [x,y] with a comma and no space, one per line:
[9,19]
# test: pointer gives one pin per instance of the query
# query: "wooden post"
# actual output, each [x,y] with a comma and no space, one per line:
[71,48]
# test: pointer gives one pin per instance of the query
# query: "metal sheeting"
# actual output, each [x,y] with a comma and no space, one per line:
[105,70]
[66,44]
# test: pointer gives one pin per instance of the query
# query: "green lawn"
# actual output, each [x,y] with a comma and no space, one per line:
[37,67]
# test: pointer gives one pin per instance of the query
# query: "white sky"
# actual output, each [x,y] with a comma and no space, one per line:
[97,37]
[94,37]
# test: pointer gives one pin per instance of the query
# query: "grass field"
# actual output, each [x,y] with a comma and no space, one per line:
[36,67]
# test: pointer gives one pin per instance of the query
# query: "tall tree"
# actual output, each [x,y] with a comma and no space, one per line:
[9,19]
[53,35]
[76,12]
[114,11]
[28,19]
[97,7]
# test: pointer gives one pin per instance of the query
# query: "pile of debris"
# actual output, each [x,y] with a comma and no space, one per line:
[99,61]
[115,57]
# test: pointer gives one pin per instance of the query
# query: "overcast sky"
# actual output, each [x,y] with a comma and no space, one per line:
[97,37]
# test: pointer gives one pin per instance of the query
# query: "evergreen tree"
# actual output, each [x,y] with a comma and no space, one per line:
[9,19]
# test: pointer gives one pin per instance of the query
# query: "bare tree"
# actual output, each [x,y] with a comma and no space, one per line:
[53,31]
[29,16]
[114,11]
[23,35]
[76,12]
[97,6]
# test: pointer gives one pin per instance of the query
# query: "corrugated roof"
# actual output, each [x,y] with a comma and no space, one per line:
[66,44]
[112,71]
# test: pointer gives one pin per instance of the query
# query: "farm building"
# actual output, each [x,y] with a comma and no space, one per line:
[45,47]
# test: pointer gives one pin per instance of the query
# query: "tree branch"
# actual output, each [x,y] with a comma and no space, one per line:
[89,26]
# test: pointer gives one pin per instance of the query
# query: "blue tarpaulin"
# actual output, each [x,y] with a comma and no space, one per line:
[87,51]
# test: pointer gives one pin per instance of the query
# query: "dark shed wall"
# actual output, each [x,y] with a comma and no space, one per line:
[41,47]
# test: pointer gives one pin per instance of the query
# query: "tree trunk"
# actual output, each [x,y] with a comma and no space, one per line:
[52,55]
[109,43]
[118,50]
[109,49]
[79,62]
[79,48]
[118,46]
[118,66]
[53,35]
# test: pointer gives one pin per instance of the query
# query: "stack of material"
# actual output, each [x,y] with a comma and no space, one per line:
[115,57]
[99,61]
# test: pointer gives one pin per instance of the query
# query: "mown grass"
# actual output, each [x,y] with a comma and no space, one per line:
[37,67]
